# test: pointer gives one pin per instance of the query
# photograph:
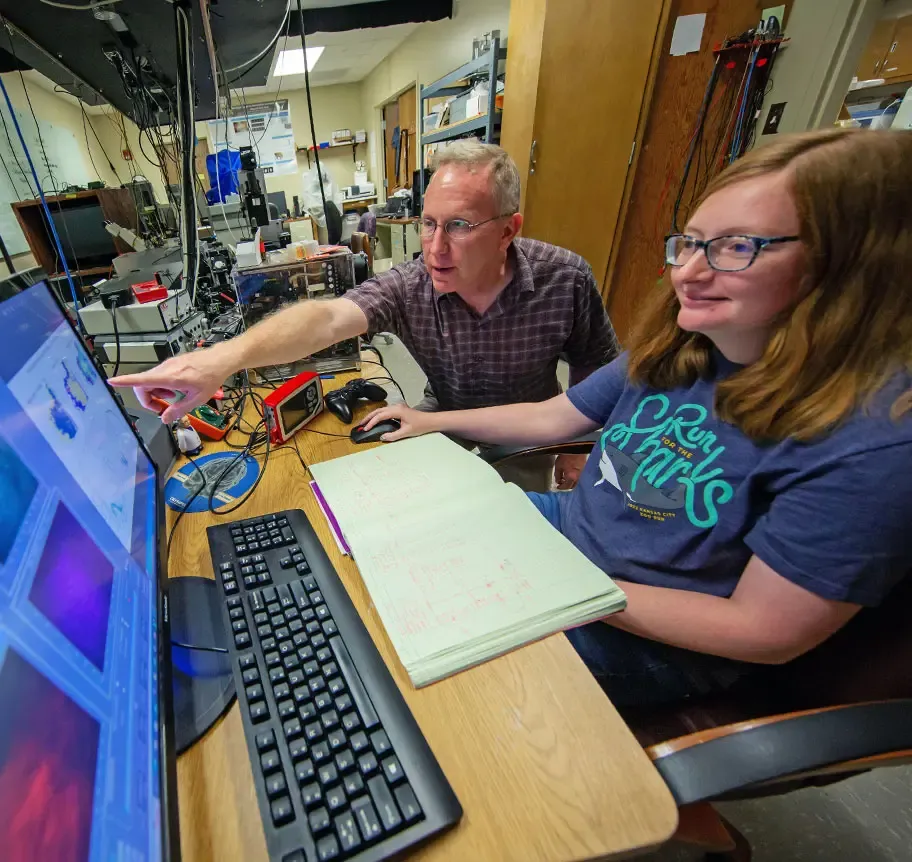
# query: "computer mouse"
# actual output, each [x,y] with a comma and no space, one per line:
[359,435]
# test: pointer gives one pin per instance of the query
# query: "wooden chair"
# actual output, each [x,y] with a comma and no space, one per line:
[843,708]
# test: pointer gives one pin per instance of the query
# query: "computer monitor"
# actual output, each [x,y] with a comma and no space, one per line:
[86,742]
[82,234]
[280,202]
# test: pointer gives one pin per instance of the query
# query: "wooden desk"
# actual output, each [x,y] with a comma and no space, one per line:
[540,760]
[358,203]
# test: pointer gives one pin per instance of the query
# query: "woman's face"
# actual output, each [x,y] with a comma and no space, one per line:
[736,309]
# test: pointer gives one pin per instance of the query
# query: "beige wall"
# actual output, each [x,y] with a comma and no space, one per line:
[429,52]
[335,107]
[812,74]
[62,111]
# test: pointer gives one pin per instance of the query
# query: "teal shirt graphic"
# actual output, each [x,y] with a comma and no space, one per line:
[672,496]
[670,449]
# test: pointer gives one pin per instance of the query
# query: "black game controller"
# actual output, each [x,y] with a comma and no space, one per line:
[341,402]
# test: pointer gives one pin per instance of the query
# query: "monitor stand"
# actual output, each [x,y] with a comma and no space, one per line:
[202,678]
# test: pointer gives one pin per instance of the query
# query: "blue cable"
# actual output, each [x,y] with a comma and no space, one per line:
[47,211]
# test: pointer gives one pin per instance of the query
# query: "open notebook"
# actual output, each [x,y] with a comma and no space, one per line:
[460,566]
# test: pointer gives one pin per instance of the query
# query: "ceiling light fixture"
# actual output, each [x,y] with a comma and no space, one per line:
[291,62]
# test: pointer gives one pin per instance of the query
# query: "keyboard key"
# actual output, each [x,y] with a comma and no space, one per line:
[234,602]
[291,661]
[231,587]
[313,731]
[287,536]
[347,832]
[264,578]
[320,752]
[337,686]
[269,595]
[247,570]
[308,614]
[252,674]
[264,631]
[330,669]
[343,703]
[408,805]
[317,597]
[282,691]
[307,711]
[311,795]
[327,774]
[286,647]
[367,763]
[362,700]
[359,742]
[257,604]
[259,711]
[253,546]
[305,653]
[305,772]
[336,738]
[317,640]
[286,600]
[281,810]
[270,762]
[260,618]
[286,563]
[268,518]
[236,614]
[330,719]
[282,520]
[275,785]
[296,557]
[366,818]
[327,848]
[298,750]
[345,760]
[260,567]
[302,568]
[287,709]
[239,626]
[330,628]
[254,692]
[392,769]
[323,701]
[257,558]
[380,742]
[247,660]
[283,634]
[265,543]
[295,626]
[276,675]
[335,798]
[324,654]
[292,727]
[311,668]
[300,594]
[310,583]
[226,567]
[242,640]
[296,677]
[250,581]
[318,820]
[353,783]
[268,644]
[265,741]
[350,721]
[315,684]
[274,607]
[383,802]
[272,659]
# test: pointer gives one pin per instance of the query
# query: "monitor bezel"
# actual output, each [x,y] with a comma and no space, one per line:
[170,821]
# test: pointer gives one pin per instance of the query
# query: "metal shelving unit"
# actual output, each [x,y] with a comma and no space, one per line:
[456,83]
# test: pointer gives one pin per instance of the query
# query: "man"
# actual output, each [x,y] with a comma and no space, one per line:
[484,313]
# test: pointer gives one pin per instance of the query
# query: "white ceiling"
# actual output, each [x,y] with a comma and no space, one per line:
[348,57]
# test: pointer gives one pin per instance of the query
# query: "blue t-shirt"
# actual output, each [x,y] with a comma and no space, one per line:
[674,497]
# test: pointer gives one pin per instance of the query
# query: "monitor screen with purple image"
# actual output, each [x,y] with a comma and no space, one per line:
[80,746]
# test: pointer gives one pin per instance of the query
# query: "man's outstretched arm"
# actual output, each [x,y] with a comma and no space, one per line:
[295,332]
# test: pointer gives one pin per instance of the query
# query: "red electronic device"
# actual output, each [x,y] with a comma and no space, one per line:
[293,405]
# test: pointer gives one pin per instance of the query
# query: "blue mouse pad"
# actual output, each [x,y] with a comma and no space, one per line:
[234,484]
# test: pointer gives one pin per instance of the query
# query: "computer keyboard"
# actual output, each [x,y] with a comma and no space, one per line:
[342,770]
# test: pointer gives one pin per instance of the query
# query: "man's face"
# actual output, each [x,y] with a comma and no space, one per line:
[464,263]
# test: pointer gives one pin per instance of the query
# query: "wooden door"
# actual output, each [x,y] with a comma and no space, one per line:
[527,25]
[593,74]
[408,151]
[876,50]
[898,63]
[391,122]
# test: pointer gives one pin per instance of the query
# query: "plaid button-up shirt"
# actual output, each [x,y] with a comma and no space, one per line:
[550,309]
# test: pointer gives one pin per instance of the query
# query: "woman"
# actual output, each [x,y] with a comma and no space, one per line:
[751,490]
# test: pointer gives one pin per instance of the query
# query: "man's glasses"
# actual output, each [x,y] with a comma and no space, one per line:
[456,228]
[723,253]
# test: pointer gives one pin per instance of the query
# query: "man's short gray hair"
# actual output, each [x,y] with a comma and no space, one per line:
[473,155]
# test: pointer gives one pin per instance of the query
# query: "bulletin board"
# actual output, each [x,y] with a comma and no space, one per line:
[65,165]
[266,127]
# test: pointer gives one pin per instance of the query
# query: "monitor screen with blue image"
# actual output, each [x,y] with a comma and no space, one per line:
[80,751]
